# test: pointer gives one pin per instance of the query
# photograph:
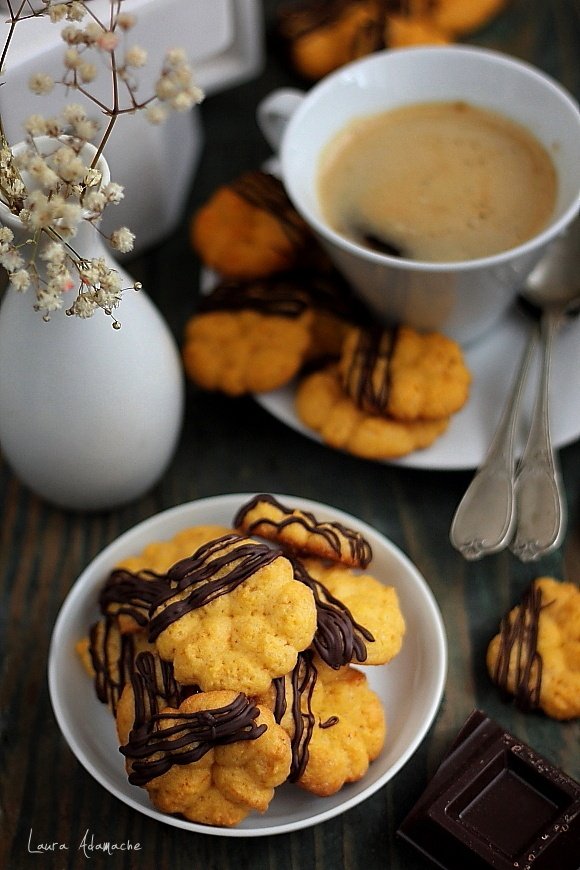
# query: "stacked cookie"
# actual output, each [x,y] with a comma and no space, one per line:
[282,312]
[226,656]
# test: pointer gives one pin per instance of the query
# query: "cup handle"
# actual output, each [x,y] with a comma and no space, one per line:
[274,112]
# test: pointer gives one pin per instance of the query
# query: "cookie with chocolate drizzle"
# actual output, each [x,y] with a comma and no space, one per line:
[534,657]
[403,374]
[248,228]
[232,616]
[335,721]
[301,532]
[214,759]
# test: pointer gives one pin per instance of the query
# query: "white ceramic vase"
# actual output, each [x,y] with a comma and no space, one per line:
[89,415]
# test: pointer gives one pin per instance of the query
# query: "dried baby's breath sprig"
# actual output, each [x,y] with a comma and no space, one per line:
[53,191]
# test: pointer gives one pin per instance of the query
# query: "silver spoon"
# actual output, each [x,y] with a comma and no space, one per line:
[528,500]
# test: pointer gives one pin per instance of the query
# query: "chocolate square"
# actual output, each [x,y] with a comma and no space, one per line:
[494,802]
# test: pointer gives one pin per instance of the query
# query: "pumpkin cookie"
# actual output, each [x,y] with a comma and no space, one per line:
[535,657]
[369,603]
[404,374]
[214,759]
[322,405]
[405,30]
[249,228]
[301,532]
[335,722]
[233,616]
[244,352]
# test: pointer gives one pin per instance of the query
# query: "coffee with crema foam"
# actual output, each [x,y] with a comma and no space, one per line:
[437,182]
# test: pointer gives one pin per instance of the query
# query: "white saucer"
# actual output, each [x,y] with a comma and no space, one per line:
[493,361]
[410,687]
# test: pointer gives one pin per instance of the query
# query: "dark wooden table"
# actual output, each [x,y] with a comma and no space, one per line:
[235,446]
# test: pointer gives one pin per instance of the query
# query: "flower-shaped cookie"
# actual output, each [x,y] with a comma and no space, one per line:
[404,374]
[249,228]
[301,532]
[239,352]
[213,760]
[335,721]
[535,657]
[322,405]
[233,616]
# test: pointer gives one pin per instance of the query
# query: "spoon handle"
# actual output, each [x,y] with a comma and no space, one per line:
[538,492]
[485,517]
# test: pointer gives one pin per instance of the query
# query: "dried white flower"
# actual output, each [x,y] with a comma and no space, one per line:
[54,253]
[20,280]
[84,306]
[35,125]
[48,300]
[72,58]
[41,172]
[136,57]
[122,240]
[108,40]
[41,83]
[11,259]
[95,201]
[156,114]
[114,192]
[87,72]
[126,21]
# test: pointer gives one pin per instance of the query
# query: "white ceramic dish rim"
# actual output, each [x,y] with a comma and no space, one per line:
[172,520]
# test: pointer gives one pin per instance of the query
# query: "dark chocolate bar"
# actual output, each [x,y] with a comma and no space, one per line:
[495,802]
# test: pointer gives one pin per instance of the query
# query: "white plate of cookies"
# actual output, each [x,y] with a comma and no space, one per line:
[264,613]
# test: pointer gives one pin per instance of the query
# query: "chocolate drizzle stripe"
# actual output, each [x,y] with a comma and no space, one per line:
[367,379]
[520,634]
[303,680]
[112,659]
[338,639]
[236,557]
[153,681]
[131,594]
[168,739]
[276,297]
[287,294]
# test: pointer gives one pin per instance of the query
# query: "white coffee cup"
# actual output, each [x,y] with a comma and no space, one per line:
[462,299]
